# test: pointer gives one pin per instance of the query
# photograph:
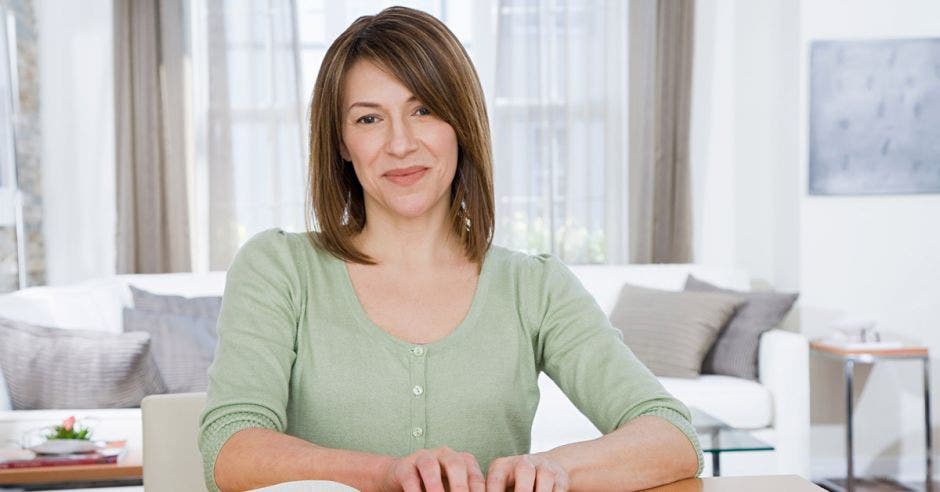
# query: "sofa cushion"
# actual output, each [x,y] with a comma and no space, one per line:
[739,402]
[735,351]
[603,282]
[669,331]
[86,306]
[54,368]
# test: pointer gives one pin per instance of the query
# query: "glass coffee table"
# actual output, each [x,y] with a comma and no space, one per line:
[718,437]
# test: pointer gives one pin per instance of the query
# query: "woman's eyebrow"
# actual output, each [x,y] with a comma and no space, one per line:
[367,104]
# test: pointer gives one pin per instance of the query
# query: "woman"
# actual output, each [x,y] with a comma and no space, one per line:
[395,348]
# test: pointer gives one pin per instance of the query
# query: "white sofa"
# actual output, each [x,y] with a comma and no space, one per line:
[776,407]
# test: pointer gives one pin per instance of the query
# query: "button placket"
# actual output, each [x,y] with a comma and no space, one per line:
[418,365]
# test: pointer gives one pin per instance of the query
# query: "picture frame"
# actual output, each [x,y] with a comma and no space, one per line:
[874,114]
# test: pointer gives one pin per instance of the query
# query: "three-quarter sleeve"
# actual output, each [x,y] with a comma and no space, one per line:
[257,327]
[586,357]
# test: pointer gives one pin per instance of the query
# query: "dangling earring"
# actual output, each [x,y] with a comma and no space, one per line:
[464,215]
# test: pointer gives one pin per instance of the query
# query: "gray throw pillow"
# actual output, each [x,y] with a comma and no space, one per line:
[182,332]
[183,346]
[203,307]
[735,351]
[65,368]
[671,331]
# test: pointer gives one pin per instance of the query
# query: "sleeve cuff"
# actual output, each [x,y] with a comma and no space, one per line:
[682,423]
[215,435]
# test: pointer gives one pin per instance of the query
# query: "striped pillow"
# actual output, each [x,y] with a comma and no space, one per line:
[671,331]
[55,368]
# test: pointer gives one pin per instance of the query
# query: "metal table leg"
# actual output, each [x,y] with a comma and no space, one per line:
[849,367]
[716,456]
[929,430]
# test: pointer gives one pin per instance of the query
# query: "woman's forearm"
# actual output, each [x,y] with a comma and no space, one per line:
[255,458]
[646,452]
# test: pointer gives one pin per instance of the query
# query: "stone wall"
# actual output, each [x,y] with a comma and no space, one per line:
[27,155]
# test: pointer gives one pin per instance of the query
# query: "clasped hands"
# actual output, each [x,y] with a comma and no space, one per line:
[443,469]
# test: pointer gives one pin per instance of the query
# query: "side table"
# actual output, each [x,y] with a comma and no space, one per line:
[849,357]
[127,471]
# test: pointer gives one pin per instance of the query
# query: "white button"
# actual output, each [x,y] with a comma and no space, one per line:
[417,432]
[417,390]
[417,351]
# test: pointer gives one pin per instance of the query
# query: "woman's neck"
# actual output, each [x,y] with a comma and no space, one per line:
[411,244]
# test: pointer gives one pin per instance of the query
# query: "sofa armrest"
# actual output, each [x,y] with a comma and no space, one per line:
[784,370]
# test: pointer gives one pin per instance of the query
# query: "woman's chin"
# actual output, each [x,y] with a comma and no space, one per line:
[411,210]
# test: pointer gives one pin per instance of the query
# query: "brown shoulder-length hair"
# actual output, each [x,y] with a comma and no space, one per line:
[427,58]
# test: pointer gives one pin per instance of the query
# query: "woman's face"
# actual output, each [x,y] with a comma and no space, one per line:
[404,156]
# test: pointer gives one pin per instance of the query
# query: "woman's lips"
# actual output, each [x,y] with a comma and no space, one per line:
[406,177]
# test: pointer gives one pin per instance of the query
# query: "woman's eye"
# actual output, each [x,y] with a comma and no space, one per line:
[368,119]
[422,111]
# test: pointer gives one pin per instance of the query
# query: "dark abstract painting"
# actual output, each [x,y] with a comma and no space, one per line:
[874,117]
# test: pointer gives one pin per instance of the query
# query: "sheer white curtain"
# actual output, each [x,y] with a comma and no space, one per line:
[559,112]
[250,157]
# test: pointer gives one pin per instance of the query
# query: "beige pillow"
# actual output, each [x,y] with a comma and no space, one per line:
[671,331]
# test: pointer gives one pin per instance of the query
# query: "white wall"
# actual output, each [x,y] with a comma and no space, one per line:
[77,113]
[743,138]
[872,257]
[875,257]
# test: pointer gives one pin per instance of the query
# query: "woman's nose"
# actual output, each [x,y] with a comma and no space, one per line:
[401,140]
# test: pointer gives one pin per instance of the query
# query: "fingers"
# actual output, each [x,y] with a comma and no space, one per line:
[545,480]
[409,479]
[524,475]
[474,473]
[497,476]
[456,469]
[430,470]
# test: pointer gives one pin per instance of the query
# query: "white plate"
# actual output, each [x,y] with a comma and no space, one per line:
[64,446]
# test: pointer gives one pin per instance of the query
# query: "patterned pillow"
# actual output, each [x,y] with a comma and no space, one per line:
[57,368]
[735,351]
[671,331]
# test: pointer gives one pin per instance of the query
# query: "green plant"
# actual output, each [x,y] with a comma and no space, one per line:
[68,430]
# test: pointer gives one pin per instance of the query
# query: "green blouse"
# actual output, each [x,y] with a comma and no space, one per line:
[297,354]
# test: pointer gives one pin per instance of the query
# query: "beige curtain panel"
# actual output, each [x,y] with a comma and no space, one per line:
[661,40]
[153,153]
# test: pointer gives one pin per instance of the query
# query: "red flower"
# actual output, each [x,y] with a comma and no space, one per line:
[68,423]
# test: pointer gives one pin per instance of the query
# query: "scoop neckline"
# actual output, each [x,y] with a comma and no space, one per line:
[458,333]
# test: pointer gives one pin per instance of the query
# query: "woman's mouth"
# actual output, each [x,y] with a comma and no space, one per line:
[406,176]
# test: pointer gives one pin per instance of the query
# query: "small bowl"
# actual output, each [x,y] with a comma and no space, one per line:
[64,446]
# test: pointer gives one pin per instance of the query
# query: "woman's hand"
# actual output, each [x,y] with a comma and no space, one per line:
[528,472]
[437,470]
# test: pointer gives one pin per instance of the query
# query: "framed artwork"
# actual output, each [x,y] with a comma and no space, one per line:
[874,117]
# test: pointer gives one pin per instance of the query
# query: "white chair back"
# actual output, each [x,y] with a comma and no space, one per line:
[172,461]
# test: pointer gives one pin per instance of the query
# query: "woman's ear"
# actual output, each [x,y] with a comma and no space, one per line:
[344,152]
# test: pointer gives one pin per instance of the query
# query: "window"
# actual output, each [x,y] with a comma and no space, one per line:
[553,73]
